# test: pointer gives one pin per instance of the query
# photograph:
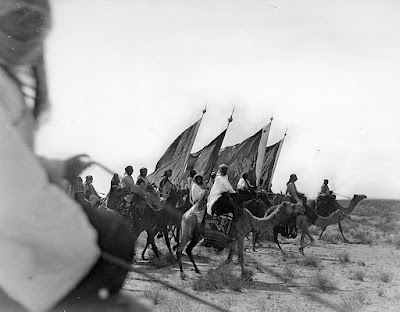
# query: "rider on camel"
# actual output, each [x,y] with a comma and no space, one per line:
[221,185]
[294,195]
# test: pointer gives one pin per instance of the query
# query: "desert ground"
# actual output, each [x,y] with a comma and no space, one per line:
[332,276]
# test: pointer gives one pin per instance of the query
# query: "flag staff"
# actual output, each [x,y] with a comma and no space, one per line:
[179,179]
[276,160]
[205,109]
[230,119]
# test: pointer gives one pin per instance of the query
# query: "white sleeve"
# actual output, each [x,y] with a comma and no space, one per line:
[228,186]
[47,243]
[241,184]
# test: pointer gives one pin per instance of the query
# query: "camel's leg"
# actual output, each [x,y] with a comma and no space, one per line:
[145,248]
[301,248]
[323,230]
[179,257]
[231,252]
[255,237]
[345,240]
[303,225]
[240,243]
[178,232]
[192,244]
[150,239]
[186,235]
[276,240]
[167,242]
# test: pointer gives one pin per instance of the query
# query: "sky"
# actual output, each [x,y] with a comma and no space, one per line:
[126,77]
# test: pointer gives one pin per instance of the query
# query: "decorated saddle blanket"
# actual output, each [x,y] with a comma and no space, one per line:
[216,230]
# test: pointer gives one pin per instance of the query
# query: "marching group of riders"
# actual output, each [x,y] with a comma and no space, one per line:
[198,189]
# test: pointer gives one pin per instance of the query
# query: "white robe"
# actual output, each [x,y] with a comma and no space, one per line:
[243,185]
[197,193]
[47,243]
[127,181]
[221,185]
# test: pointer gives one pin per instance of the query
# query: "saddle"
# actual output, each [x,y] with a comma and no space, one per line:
[216,230]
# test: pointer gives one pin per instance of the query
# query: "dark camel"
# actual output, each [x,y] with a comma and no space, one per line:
[144,215]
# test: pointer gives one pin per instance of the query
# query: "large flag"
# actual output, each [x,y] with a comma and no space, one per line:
[270,161]
[240,158]
[204,160]
[261,151]
[176,156]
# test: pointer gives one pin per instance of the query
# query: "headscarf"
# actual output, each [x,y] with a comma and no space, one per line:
[23,27]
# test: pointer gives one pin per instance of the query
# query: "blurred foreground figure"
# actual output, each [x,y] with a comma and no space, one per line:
[50,245]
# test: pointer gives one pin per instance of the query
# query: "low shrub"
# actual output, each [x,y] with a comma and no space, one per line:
[165,260]
[323,282]
[332,238]
[311,261]
[157,295]
[344,257]
[290,272]
[363,237]
[358,275]
[220,278]
[397,242]
[385,277]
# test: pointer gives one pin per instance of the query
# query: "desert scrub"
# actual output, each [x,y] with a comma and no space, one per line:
[344,257]
[219,278]
[397,242]
[358,275]
[165,260]
[362,236]
[323,282]
[157,295]
[332,238]
[290,272]
[385,277]
[311,261]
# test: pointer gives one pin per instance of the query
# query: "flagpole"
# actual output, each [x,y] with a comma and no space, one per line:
[262,147]
[188,154]
[230,119]
[276,159]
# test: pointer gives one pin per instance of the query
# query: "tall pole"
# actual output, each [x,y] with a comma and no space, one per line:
[230,119]
[276,159]
[190,149]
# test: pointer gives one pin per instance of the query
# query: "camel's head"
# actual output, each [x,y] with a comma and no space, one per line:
[358,197]
[291,209]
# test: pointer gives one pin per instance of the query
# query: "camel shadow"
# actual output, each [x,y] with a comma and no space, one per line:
[260,285]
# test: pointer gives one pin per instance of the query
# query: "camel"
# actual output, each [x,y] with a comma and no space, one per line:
[329,207]
[246,222]
[142,217]
[331,214]
[170,216]
[303,223]
[258,209]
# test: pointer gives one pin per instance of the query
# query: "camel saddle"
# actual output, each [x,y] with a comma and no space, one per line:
[216,230]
